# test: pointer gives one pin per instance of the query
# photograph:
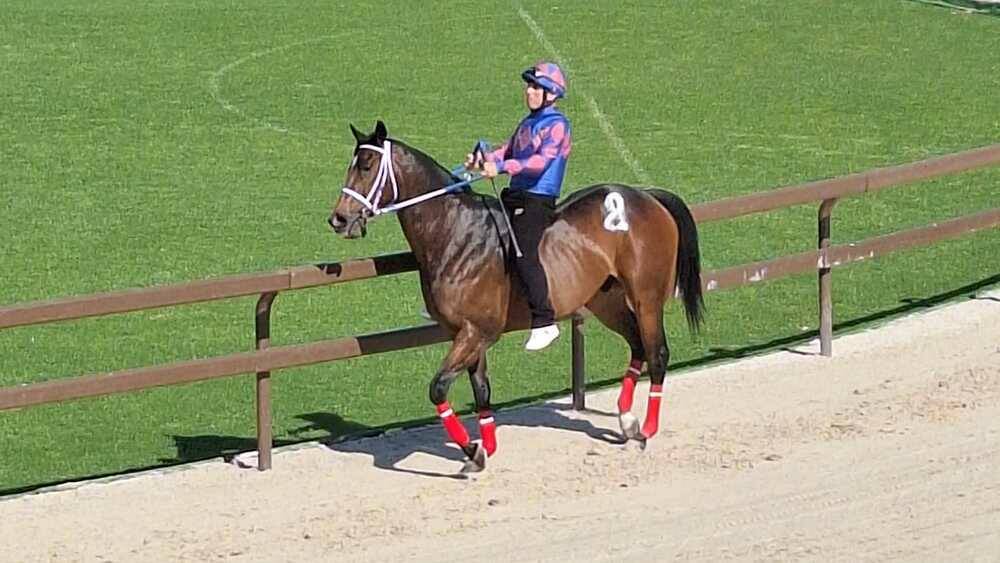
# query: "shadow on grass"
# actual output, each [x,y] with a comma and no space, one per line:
[968,6]
[342,435]
[197,448]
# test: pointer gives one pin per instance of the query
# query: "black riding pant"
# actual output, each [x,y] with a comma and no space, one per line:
[529,215]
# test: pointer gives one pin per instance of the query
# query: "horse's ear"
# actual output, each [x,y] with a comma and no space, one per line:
[380,132]
[358,135]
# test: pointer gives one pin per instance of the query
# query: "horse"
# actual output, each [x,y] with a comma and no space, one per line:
[618,251]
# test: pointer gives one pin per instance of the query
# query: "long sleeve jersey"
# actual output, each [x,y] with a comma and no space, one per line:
[535,156]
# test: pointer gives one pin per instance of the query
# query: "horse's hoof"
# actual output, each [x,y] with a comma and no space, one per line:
[476,461]
[630,426]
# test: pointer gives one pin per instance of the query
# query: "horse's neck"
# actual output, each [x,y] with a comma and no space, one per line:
[432,228]
[439,230]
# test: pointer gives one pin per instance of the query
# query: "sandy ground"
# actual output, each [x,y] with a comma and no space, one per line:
[888,451]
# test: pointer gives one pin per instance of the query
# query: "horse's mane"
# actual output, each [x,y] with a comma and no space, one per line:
[425,159]
[485,207]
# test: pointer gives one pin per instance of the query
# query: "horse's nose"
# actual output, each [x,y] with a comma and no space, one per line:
[337,222]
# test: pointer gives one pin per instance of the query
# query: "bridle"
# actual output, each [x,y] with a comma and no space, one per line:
[385,175]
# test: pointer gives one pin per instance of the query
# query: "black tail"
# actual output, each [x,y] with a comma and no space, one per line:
[688,256]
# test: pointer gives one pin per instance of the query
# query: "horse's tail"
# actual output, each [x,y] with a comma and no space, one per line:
[688,256]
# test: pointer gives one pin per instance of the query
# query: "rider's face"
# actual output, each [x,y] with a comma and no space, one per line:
[534,96]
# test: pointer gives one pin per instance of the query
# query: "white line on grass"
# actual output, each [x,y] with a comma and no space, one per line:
[602,120]
[216,78]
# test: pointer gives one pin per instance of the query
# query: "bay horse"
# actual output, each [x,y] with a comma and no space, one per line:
[618,251]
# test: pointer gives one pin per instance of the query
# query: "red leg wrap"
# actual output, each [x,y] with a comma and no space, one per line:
[652,424]
[453,425]
[488,430]
[628,386]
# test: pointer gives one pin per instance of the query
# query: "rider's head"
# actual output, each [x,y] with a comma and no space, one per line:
[544,84]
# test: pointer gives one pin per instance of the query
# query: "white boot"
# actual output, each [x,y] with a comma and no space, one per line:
[541,337]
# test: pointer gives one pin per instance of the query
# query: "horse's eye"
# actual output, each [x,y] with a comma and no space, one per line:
[364,165]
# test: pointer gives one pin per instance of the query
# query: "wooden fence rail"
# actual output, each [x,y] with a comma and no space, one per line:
[265,359]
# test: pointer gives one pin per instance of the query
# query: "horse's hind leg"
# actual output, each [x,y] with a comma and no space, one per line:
[654,340]
[611,308]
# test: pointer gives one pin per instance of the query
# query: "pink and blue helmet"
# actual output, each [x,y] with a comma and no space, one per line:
[547,75]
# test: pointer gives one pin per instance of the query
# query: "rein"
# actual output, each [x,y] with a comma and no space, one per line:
[386,174]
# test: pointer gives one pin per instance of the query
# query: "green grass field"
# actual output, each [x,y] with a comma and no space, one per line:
[150,143]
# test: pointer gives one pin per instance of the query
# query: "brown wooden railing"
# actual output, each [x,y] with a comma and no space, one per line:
[265,359]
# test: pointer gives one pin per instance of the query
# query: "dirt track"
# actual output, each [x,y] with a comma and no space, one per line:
[889,451]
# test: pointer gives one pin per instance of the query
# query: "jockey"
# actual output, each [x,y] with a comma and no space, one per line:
[535,158]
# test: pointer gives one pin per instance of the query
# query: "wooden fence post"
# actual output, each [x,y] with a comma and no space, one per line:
[825,281]
[262,323]
[579,379]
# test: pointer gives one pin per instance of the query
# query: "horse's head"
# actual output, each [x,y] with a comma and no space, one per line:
[364,192]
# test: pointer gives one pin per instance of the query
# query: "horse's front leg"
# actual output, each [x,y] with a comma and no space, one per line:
[466,349]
